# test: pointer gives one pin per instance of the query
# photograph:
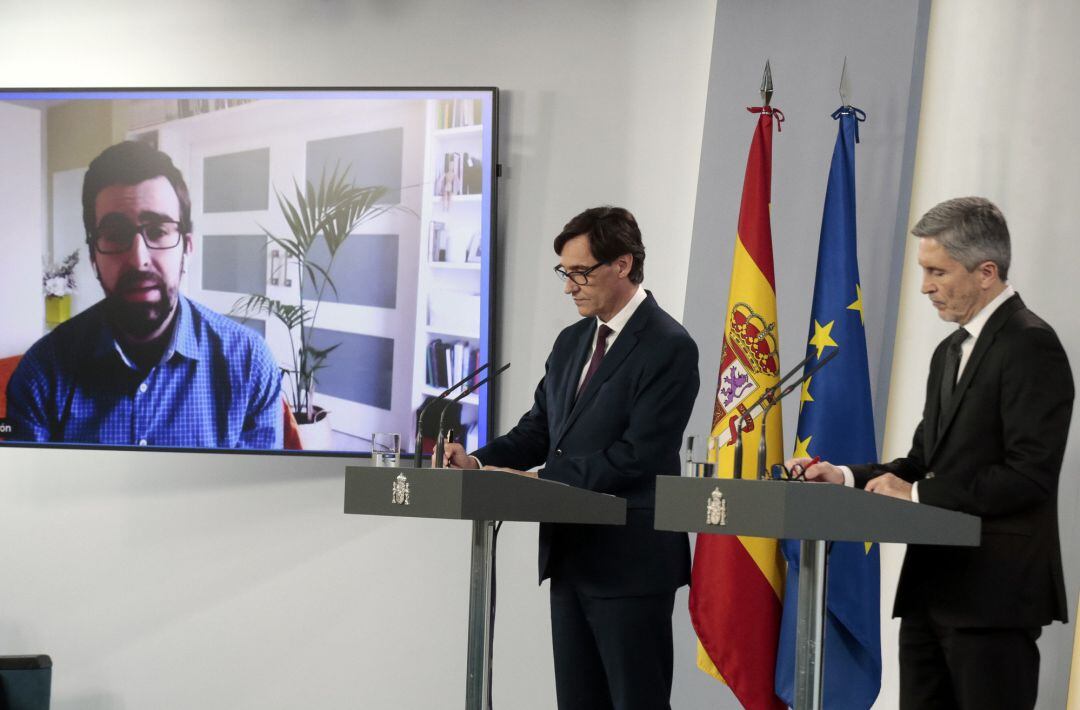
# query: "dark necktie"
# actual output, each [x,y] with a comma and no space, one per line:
[598,354]
[952,367]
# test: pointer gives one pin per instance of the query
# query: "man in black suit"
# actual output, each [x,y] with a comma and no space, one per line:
[608,416]
[990,443]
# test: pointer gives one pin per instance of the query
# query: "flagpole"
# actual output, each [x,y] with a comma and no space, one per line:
[736,594]
[831,636]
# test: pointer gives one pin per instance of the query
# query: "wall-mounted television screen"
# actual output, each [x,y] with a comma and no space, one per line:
[259,269]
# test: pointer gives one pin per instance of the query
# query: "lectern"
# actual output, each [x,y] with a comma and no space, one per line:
[813,513]
[483,497]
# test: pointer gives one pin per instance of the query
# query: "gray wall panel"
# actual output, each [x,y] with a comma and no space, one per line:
[806,43]
[364,272]
[361,369]
[371,158]
[884,44]
[234,262]
[237,182]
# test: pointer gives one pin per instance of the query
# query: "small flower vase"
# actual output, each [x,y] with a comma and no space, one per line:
[57,310]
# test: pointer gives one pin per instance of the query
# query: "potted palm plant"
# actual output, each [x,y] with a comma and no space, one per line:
[58,281]
[330,210]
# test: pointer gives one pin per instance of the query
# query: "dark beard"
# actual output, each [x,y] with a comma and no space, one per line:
[138,320]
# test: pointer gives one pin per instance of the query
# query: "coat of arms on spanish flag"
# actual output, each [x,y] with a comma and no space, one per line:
[736,595]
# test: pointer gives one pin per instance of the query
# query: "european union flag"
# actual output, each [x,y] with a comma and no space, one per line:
[836,422]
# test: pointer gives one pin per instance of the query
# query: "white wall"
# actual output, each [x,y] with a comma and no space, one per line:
[999,88]
[170,580]
[203,581]
[807,45]
[21,216]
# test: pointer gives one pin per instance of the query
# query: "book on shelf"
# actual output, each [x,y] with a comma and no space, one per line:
[194,107]
[475,250]
[437,241]
[472,175]
[457,113]
[446,246]
[460,174]
[449,361]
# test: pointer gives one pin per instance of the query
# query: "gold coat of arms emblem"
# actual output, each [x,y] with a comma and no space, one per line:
[748,361]
[716,508]
[400,491]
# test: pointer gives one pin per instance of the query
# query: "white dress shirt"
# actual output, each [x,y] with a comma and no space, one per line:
[617,323]
[975,326]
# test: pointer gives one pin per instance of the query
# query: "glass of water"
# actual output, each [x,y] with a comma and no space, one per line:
[385,449]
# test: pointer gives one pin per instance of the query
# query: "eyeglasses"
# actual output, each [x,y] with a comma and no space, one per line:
[780,472]
[581,278]
[118,238]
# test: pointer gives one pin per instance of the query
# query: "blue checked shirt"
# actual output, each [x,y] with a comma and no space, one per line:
[217,386]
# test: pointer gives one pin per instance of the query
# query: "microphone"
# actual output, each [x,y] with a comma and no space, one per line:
[806,375]
[440,446]
[762,474]
[420,416]
[748,418]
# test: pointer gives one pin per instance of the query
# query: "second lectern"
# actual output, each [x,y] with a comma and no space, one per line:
[813,513]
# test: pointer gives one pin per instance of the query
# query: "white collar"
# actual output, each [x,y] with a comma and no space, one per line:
[619,320]
[976,324]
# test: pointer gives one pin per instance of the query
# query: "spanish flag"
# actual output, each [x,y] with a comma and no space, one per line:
[736,592]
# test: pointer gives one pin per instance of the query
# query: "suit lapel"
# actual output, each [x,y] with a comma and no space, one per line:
[624,344]
[986,339]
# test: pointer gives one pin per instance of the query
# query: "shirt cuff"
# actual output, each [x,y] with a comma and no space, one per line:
[478,464]
[849,477]
[915,492]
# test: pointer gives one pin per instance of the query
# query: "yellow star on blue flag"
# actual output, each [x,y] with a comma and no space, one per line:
[822,337]
[857,305]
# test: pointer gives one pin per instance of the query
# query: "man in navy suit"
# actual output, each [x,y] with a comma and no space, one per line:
[608,416]
[998,405]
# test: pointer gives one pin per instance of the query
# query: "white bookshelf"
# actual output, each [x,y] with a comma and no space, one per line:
[450,277]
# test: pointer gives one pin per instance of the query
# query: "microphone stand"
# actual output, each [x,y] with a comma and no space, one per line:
[747,416]
[440,444]
[419,454]
[762,445]
[738,462]
[762,464]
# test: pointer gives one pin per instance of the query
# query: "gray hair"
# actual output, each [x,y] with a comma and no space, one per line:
[972,230]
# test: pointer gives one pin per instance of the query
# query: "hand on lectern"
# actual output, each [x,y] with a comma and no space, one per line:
[456,456]
[888,484]
[816,470]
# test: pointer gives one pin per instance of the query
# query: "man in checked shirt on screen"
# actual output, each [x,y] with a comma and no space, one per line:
[145,366]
